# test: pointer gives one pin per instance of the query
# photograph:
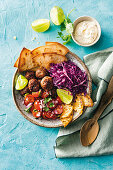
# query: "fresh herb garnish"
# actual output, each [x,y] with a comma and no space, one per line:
[47,99]
[46,108]
[66,37]
[28,109]
[35,110]
[26,94]
[40,91]
[66,29]
[51,104]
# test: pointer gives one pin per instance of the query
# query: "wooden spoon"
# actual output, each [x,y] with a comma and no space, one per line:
[90,128]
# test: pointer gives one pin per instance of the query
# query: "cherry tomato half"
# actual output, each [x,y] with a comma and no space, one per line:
[36,94]
[58,100]
[45,94]
[52,104]
[36,113]
[37,105]
[58,110]
[50,115]
[28,99]
[44,115]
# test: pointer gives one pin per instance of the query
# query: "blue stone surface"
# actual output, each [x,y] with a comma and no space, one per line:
[23,145]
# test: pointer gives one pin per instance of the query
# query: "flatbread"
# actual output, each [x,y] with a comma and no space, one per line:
[26,61]
[61,49]
[16,63]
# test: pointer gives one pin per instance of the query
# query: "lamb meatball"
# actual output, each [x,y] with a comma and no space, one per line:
[24,91]
[33,85]
[30,75]
[47,83]
[41,72]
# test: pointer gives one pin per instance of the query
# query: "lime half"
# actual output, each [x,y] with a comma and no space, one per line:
[57,15]
[21,82]
[40,25]
[65,96]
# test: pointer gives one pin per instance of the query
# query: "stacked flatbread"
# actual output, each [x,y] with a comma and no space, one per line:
[52,52]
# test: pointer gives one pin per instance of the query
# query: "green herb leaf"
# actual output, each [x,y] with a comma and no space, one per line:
[70,12]
[68,39]
[68,21]
[47,99]
[62,26]
[67,27]
[40,91]
[46,108]
[28,109]
[51,104]
[26,94]
[35,110]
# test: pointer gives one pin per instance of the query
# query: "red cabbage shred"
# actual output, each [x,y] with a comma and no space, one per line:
[67,75]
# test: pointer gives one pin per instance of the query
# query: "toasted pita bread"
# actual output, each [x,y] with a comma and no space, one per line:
[67,114]
[67,110]
[67,120]
[78,104]
[16,63]
[53,58]
[52,48]
[26,61]
[87,101]
[44,60]
[59,48]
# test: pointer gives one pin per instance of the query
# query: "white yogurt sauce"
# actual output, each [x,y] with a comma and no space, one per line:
[86,32]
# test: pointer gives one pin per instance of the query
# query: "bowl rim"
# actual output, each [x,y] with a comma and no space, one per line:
[78,21]
[60,124]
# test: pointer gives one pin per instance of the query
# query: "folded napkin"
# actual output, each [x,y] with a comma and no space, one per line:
[100,65]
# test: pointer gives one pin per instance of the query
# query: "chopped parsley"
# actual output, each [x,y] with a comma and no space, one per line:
[46,108]
[47,99]
[66,28]
[35,110]
[26,94]
[51,104]
[28,109]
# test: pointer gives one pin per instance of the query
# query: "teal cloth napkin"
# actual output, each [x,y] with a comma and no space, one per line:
[100,65]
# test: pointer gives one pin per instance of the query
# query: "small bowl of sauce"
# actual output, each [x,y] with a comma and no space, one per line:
[86,32]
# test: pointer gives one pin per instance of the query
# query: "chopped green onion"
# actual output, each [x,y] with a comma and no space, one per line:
[26,94]
[28,109]
[46,108]
[51,104]
[47,99]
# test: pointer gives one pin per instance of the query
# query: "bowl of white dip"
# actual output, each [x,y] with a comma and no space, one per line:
[86,32]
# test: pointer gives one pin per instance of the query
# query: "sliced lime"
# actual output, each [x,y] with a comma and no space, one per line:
[40,25]
[21,82]
[65,96]
[57,15]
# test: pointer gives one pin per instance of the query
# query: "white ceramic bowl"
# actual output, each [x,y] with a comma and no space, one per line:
[86,18]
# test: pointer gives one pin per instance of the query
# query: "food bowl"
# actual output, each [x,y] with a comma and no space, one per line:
[18,99]
[86,18]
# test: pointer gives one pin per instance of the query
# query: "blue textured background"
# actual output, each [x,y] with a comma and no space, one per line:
[24,145]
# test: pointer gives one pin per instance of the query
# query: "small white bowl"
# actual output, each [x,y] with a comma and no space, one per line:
[86,18]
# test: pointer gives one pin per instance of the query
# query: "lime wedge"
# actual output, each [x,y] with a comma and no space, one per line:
[40,25]
[65,96]
[57,15]
[21,82]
